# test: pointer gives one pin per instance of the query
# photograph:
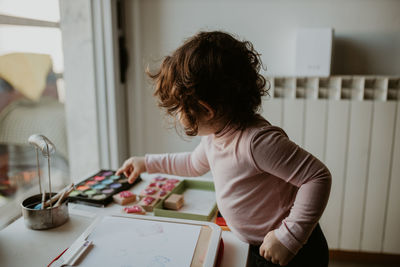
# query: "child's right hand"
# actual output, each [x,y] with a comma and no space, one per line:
[132,167]
[274,251]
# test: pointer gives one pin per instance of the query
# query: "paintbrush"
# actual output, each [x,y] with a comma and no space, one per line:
[58,195]
[63,197]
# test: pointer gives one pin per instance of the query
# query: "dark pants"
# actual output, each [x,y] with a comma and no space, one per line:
[314,253]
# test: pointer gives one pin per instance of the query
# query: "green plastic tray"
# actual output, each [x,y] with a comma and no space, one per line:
[180,189]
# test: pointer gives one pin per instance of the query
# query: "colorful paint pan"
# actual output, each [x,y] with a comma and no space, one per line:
[89,183]
[108,181]
[115,177]
[90,192]
[99,178]
[121,181]
[74,193]
[99,197]
[99,186]
[108,191]
[82,188]
[108,173]
[116,185]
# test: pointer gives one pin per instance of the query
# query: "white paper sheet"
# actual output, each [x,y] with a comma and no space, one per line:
[198,201]
[127,242]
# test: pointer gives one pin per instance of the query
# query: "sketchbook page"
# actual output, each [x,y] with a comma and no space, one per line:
[127,242]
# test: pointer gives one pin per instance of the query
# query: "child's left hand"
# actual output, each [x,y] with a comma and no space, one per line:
[273,250]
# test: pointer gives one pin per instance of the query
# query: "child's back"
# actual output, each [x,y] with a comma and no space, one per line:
[258,174]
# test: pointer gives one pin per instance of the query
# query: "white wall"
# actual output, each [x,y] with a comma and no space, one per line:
[367,41]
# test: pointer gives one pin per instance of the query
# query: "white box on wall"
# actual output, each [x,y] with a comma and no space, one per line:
[314,51]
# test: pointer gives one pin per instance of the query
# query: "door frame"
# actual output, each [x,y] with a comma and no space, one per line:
[95,95]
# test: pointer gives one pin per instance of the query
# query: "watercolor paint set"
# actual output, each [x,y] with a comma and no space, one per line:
[99,188]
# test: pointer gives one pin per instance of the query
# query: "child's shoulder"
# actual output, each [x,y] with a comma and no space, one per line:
[263,127]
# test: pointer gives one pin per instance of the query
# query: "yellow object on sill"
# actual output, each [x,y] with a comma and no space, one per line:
[26,72]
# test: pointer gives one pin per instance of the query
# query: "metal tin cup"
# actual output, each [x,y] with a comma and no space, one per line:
[44,218]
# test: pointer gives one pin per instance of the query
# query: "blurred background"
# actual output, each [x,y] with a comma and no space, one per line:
[32,98]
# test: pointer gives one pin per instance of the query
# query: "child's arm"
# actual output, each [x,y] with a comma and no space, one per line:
[273,152]
[183,164]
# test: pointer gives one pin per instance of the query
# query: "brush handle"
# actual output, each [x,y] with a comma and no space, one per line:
[58,195]
[63,197]
[43,199]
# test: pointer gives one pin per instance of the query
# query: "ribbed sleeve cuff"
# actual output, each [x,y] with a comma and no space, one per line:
[287,239]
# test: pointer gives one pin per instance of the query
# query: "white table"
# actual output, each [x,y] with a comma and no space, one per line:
[20,246]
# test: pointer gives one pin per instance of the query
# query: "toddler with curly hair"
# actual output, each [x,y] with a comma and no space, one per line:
[270,191]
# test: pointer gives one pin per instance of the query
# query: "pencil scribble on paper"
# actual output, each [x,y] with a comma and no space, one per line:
[159,261]
[151,229]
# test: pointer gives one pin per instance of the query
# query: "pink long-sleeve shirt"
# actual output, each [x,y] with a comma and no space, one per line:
[263,182]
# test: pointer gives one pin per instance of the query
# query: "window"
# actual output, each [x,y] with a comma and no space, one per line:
[31,100]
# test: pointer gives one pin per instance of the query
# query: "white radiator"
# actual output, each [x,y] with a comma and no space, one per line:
[352,124]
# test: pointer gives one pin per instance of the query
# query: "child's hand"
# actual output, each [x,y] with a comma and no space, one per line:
[132,167]
[273,250]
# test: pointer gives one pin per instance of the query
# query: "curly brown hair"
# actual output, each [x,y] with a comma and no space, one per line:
[216,68]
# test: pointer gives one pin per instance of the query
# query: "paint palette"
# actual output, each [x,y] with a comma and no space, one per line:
[100,188]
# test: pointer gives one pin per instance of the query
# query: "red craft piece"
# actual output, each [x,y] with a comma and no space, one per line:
[163,193]
[150,191]
[168,187]
[125,194]
[134,209]
[220,221]
[148,200]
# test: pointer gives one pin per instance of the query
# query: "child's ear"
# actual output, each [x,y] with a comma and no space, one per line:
[209,111]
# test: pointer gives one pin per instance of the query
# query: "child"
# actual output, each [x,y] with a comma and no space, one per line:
[270,191]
